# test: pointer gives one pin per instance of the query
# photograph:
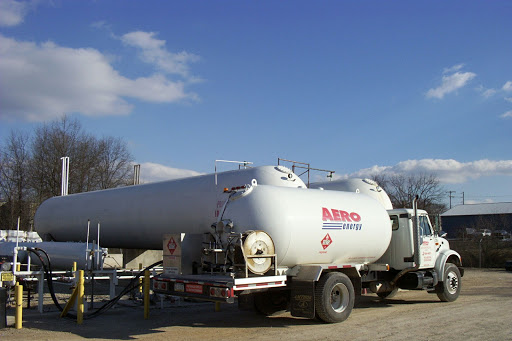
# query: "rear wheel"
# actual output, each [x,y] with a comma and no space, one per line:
[334,297]
[449,289]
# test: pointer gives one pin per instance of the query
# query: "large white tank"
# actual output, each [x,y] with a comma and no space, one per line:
[310,226]
[364,186]
[62,255]
[139,216]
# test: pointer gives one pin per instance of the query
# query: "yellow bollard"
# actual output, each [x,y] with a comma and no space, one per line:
[217,307]
[140,279]
[74,266]
[18,292]
[80,298]
[146,294]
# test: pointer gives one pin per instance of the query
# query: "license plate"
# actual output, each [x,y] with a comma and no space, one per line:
[179,287]
[7,277]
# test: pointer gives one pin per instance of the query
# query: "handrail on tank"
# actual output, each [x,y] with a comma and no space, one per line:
[240,164]
[308,168]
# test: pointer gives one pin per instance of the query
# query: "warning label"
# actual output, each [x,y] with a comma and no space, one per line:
[171,245]
[326,241]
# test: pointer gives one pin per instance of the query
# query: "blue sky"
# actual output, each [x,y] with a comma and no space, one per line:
[356,87]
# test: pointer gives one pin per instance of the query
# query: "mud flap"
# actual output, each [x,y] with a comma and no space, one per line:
[303,299]
[246,302]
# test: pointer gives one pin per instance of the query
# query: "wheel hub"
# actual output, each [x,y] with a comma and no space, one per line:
[339,297]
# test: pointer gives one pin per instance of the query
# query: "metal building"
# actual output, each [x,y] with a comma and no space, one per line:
[478,219]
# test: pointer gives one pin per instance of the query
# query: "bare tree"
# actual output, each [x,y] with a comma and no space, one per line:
[115,163]
[53,141]
[31,171]
[94,163]
[402,189]
[14,180]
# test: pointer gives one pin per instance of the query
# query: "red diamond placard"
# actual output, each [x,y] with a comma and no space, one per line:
[171,245]
[326,241]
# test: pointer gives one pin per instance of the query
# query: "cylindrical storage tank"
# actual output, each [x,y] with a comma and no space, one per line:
[62,255]
[364,186]
[313,226]
[139,216]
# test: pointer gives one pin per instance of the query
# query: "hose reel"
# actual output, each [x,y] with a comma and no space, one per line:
[259,252]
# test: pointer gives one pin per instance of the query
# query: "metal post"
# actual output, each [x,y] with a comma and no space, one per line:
[140,279]
[98,256]
[136,174]
[87,251]
[480,253]
[40,291]
[18,292]
[65,175]
[80,298]
[113,283]
[146,294]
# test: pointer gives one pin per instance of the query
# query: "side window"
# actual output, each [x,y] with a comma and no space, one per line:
[424,226]
[394,222]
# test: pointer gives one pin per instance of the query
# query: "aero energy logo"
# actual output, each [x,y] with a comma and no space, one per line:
[340,220]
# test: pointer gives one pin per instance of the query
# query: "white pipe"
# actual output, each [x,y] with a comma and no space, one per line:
[65,176]
[87,245]
[18,232]
[98,249]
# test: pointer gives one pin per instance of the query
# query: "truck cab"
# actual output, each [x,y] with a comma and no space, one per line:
[435,268]
[400,253]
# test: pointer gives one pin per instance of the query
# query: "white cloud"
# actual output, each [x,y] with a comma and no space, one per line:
[153,51]
[447,171]
[153,172]
[507,114]
[508,99]
[12,12]
[451,83]
[454,68]
[507,86]
[44,81]
[488,93]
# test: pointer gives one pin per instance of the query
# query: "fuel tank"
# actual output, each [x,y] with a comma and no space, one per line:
[364,186]
[139,216]
[312,226]
[62,255]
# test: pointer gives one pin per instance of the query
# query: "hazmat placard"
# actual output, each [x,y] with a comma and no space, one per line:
[172,254]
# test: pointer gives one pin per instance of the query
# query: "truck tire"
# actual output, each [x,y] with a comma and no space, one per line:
[272,302]
[334,297]
[449,289]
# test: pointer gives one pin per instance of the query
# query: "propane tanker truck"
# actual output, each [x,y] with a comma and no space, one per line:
[310,251]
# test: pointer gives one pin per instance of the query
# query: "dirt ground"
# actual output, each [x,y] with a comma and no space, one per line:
[482,312]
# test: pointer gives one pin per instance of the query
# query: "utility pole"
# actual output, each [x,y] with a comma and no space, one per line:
[462,198]
[451,196]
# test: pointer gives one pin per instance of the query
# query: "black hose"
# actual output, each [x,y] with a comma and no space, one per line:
[109,304]
[47,273]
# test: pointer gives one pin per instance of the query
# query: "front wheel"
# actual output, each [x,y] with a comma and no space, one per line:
[334,297]
[449,289]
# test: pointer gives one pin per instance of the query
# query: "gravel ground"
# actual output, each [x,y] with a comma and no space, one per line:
[482,312]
